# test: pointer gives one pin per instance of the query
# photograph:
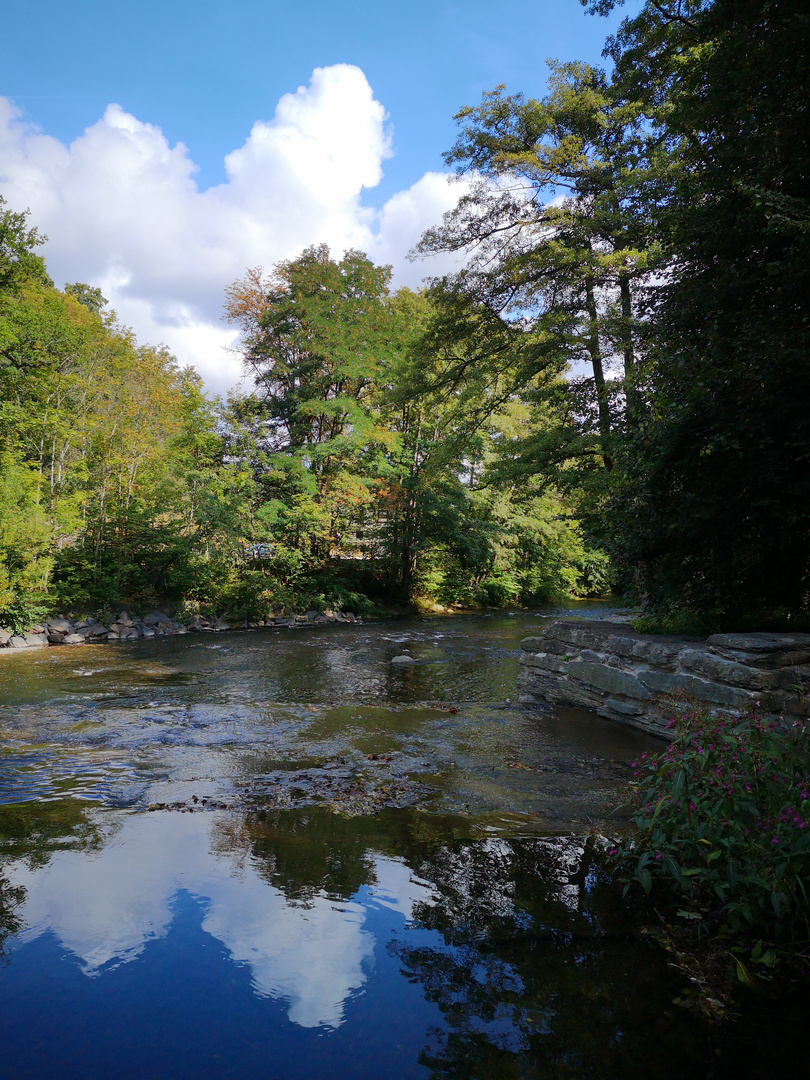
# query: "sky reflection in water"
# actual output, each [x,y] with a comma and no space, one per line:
[105,907]
[454,938]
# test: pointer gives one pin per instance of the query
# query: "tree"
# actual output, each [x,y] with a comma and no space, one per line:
[18,263]
[556,242]
[716,510]
[316,335]
[88,296]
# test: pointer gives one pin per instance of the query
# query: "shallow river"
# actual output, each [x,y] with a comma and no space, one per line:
[279,854]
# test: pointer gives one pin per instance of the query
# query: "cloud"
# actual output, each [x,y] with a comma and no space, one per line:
[123,211]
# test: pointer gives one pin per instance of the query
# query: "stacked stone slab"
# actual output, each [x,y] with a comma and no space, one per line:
[639,679]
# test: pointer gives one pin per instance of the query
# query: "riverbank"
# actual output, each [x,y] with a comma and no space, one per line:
[59,630]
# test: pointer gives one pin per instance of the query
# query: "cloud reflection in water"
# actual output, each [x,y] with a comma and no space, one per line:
[105,906]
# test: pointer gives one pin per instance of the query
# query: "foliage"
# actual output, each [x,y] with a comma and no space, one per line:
[724,823]
[380,445]
[18,262]
[25,561]
[555,242]
[377,461]
[714,510]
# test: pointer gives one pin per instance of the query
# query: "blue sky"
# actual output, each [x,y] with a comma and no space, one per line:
[204,74]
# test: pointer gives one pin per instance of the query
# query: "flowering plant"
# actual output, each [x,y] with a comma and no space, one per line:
[724,816]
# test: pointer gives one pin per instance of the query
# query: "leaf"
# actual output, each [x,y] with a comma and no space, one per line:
[692,915]
[742,972]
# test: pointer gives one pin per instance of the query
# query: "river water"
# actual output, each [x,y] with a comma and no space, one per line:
[282,854]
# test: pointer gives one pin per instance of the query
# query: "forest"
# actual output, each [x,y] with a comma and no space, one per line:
[610,397]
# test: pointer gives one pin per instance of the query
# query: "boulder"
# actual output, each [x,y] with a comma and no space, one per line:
[403,659]
[691,688]
[155,617]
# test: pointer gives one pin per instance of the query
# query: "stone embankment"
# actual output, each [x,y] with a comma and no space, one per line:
[61,631]
[639,679]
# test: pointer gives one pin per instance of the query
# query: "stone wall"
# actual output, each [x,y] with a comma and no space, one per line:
[638,679]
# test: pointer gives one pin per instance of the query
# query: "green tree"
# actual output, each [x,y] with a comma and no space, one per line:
[18,262]
[716,508]
[551,224]
[316,335]
[91,298]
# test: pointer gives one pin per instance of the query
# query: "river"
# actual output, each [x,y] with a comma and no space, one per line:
[295,854]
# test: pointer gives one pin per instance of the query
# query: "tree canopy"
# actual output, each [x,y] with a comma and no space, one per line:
[613,387]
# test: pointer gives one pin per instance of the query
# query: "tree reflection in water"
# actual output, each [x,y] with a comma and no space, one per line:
[311,851]
[534,959]
[528,960]
[11,897]
[537,974]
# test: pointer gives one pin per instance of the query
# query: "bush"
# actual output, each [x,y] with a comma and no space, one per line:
[724,821]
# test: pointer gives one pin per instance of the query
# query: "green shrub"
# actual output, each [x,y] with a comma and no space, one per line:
[724,820]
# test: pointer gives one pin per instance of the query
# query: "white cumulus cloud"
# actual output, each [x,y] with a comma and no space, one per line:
[123,211]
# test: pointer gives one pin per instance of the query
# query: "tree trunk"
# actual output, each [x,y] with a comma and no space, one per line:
[631,393]
[595,353]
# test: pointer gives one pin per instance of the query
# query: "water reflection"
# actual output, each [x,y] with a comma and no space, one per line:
[398,938]
[104,908]
[299,921]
